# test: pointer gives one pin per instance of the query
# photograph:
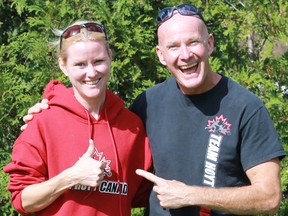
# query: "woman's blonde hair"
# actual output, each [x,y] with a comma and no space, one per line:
[82,36]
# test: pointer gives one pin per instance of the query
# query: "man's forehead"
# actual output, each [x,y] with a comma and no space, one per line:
[180,24]
[180,20]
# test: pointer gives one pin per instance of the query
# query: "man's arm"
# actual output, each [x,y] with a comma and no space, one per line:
[38,107]
[262,196]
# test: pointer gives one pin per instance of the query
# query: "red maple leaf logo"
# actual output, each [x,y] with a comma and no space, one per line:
[219,125]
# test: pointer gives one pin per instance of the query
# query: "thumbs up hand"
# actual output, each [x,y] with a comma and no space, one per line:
[88,171]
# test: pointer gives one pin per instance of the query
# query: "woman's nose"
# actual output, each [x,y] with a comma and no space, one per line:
[90,70]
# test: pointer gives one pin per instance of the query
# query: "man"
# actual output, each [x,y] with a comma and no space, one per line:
[212,141]
[214,146]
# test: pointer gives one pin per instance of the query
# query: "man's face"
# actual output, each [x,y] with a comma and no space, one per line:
[184,48]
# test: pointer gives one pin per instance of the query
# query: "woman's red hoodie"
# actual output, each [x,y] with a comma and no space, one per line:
[56,138]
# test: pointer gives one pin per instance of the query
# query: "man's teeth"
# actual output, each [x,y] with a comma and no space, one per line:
[188,66]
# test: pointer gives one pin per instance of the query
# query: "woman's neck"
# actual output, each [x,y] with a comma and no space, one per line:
[93,105]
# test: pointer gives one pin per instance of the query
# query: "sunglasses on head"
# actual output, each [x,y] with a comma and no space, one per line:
[183,9]
[75,29]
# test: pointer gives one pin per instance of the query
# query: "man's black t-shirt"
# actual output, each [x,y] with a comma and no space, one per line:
[209,139]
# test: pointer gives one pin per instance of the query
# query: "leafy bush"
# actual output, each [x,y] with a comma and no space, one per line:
[250,46]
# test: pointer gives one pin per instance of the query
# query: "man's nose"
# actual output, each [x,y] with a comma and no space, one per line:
[185,52]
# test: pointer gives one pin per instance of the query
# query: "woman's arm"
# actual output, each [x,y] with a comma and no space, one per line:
[86,171]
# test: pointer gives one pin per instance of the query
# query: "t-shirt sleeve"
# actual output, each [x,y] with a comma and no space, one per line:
[139,107]
[260,141]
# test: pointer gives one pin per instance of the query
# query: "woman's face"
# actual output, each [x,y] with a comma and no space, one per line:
[88,68]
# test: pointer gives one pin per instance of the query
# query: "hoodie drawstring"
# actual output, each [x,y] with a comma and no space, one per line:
[90,134]
[90,128]
[117,161]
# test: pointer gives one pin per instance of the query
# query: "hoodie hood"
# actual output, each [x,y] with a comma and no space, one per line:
[60,95]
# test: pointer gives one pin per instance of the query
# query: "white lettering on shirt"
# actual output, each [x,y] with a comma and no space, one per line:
[110,187]
[211,161]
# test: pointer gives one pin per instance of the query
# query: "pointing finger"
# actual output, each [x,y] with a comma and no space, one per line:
[150,176]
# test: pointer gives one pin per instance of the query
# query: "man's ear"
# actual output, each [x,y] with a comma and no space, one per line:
[160,55]
[110,53]
[62,66]
[210,44]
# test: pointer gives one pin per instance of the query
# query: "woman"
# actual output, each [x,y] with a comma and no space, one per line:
[56,168]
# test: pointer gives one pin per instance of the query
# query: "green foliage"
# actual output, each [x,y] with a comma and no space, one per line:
[6,208]
[250,46]
[138,212]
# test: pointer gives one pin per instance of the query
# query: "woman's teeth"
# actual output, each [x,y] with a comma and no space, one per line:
[92,82]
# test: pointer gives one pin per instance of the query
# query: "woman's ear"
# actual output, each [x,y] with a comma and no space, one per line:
[160,55]
[62,66]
